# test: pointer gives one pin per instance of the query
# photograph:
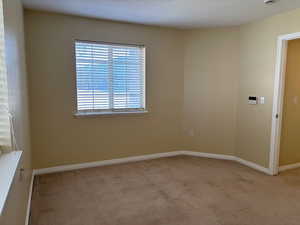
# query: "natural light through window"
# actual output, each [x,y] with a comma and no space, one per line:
[110,77]
[5,138]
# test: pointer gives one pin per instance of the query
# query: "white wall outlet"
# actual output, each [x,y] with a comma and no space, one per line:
[262,100]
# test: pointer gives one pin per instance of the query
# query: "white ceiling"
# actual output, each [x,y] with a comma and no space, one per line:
[173,13]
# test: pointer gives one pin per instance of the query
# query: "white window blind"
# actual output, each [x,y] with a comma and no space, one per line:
[110,77]
[5,135]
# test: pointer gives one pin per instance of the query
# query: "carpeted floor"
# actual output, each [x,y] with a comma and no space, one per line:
[171,191]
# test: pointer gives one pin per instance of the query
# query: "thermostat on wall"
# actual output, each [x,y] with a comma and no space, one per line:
[252,100]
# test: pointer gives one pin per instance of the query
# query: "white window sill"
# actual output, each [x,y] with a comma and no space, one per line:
[108,113]
[8,166]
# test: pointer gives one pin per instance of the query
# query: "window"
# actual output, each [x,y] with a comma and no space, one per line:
[5,138]
[110,78]
[8,161]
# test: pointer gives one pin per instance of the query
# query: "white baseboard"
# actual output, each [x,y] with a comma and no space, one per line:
[229,157]
[149,157]
[253,166]
[208,155]
[29,200]
[105,162]
[289,167]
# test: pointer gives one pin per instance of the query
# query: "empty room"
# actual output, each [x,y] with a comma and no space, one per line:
[149,112]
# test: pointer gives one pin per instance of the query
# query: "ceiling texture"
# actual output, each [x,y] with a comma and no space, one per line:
[170,13]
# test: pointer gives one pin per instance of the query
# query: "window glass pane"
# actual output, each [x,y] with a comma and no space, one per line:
[109,77]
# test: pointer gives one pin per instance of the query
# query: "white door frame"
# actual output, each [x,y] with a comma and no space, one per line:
[278,98]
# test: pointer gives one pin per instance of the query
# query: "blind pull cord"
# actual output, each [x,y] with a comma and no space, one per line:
[15,146]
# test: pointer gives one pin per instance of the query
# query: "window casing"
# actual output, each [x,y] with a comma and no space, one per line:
[110,78]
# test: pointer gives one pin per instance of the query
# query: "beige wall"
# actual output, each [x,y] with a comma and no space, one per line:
[202,70]
[57,137]
[15,209]
[193,65]
[209,74]
[211,70]
[258,56]
[290,142]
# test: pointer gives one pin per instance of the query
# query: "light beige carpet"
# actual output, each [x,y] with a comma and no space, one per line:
[171,191]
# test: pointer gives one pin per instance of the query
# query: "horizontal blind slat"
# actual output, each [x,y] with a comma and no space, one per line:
[109,76]
[5,136]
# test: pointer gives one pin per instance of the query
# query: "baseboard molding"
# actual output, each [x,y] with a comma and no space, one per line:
[208,155]
[254,166]
[29,200]
[289,167]
[231,158]
[105,162]
[149,157]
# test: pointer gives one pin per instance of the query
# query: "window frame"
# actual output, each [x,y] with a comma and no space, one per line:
[103,112]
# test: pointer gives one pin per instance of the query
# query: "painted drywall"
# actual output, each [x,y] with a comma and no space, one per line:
[209,75]
[182,66]
[290,142]
[211,71]
[257,71]
[16,205]
[58,138]
[249,57]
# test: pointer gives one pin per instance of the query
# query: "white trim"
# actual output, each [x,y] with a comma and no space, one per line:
[8,166]
[209,155]
[29,200]
[108,113]
[278,98]
[254,166]
[149,157]
[289,37]
[289,167]
[105,163]
[231,158]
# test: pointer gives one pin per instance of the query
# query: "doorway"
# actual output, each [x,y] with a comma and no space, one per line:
[284,153]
